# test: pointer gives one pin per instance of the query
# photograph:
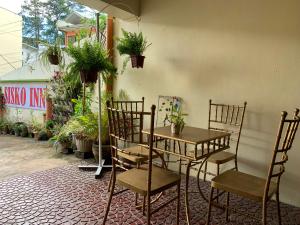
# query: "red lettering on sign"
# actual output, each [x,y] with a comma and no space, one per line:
[23,96]
[36,97]
[12,95]
[31,97]
[6,95]
[17,101]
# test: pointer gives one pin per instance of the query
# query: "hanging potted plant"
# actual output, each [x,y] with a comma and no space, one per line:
[52,54]
[133,45]
[89,59]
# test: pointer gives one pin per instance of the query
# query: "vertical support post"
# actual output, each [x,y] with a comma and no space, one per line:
[110,47]
[99,98]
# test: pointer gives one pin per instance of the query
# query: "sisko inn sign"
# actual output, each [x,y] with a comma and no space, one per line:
[25,96]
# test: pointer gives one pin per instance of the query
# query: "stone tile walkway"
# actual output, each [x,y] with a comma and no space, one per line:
[69,196]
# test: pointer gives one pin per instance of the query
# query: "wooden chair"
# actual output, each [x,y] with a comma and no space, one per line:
[132,154]
[228,118]
[256,188]
[146,180]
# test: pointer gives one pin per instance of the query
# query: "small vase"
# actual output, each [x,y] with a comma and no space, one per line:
[175,129]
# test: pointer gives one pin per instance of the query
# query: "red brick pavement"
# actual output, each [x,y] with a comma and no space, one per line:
[69,196]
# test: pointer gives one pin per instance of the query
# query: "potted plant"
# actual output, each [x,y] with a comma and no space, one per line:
[62,141]
[177,120]
[49,128]
[52,55]
[17,128]
[42,135]
[85,130]
[36,128]
[24,130]
[134,45]
[89,59]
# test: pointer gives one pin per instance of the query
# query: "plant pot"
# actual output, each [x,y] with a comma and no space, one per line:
[175,129]
[84,145]
[106,153]
[35,135]
[89,76]
[73,145]
[53,59]
[137,61]
[63,147]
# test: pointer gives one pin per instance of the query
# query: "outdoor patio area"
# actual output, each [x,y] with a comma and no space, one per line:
[68,196]
[149,112]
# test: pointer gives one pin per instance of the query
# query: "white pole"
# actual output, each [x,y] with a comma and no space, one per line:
[99,119]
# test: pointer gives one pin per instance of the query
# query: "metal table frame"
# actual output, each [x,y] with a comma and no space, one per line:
[204,143]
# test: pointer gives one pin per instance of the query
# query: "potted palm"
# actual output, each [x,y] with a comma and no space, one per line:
[134,45]
[89,59]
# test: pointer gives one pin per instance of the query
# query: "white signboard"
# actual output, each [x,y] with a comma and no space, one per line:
[27,96]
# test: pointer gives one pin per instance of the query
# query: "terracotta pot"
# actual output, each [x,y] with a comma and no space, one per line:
[53,59]
[137,61]
[90,76]
[84,145]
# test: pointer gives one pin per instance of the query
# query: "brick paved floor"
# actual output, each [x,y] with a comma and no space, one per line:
[68,196]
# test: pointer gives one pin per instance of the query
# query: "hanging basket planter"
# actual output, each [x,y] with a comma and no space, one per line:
[88,76]
[137,61]
[53,59]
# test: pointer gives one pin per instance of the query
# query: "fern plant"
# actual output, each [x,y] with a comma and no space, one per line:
[52,55]
[132,43]
[89,59]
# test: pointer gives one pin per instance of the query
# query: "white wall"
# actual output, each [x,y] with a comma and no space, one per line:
[229,51]
[10,41]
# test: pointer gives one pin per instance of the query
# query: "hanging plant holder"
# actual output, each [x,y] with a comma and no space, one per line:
[53,59]
[89,76]
[137,61]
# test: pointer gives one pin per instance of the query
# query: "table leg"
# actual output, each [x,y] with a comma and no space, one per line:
[187,178]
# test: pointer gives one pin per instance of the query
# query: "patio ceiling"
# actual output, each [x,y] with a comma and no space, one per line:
[122,9]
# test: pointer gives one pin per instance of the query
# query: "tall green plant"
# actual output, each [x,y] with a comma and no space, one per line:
[132,43]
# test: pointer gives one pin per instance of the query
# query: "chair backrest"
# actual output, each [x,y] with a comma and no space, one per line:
[136,119]
[284,141]
[228,118]
[122,131]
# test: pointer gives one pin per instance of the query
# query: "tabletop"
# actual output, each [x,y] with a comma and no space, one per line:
[191,135]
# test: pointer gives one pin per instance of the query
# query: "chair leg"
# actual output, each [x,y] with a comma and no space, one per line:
[236,164]
[144,204]
[148,209]
[209,205]
[205,171]
[264,213]
[178,204]
[110,196]
[110,179]
[218,173]
[227,208]
[278,207]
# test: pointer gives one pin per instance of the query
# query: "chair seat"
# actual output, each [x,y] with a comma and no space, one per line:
[136,179]
[136,154]
[243,184]
[221,157]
